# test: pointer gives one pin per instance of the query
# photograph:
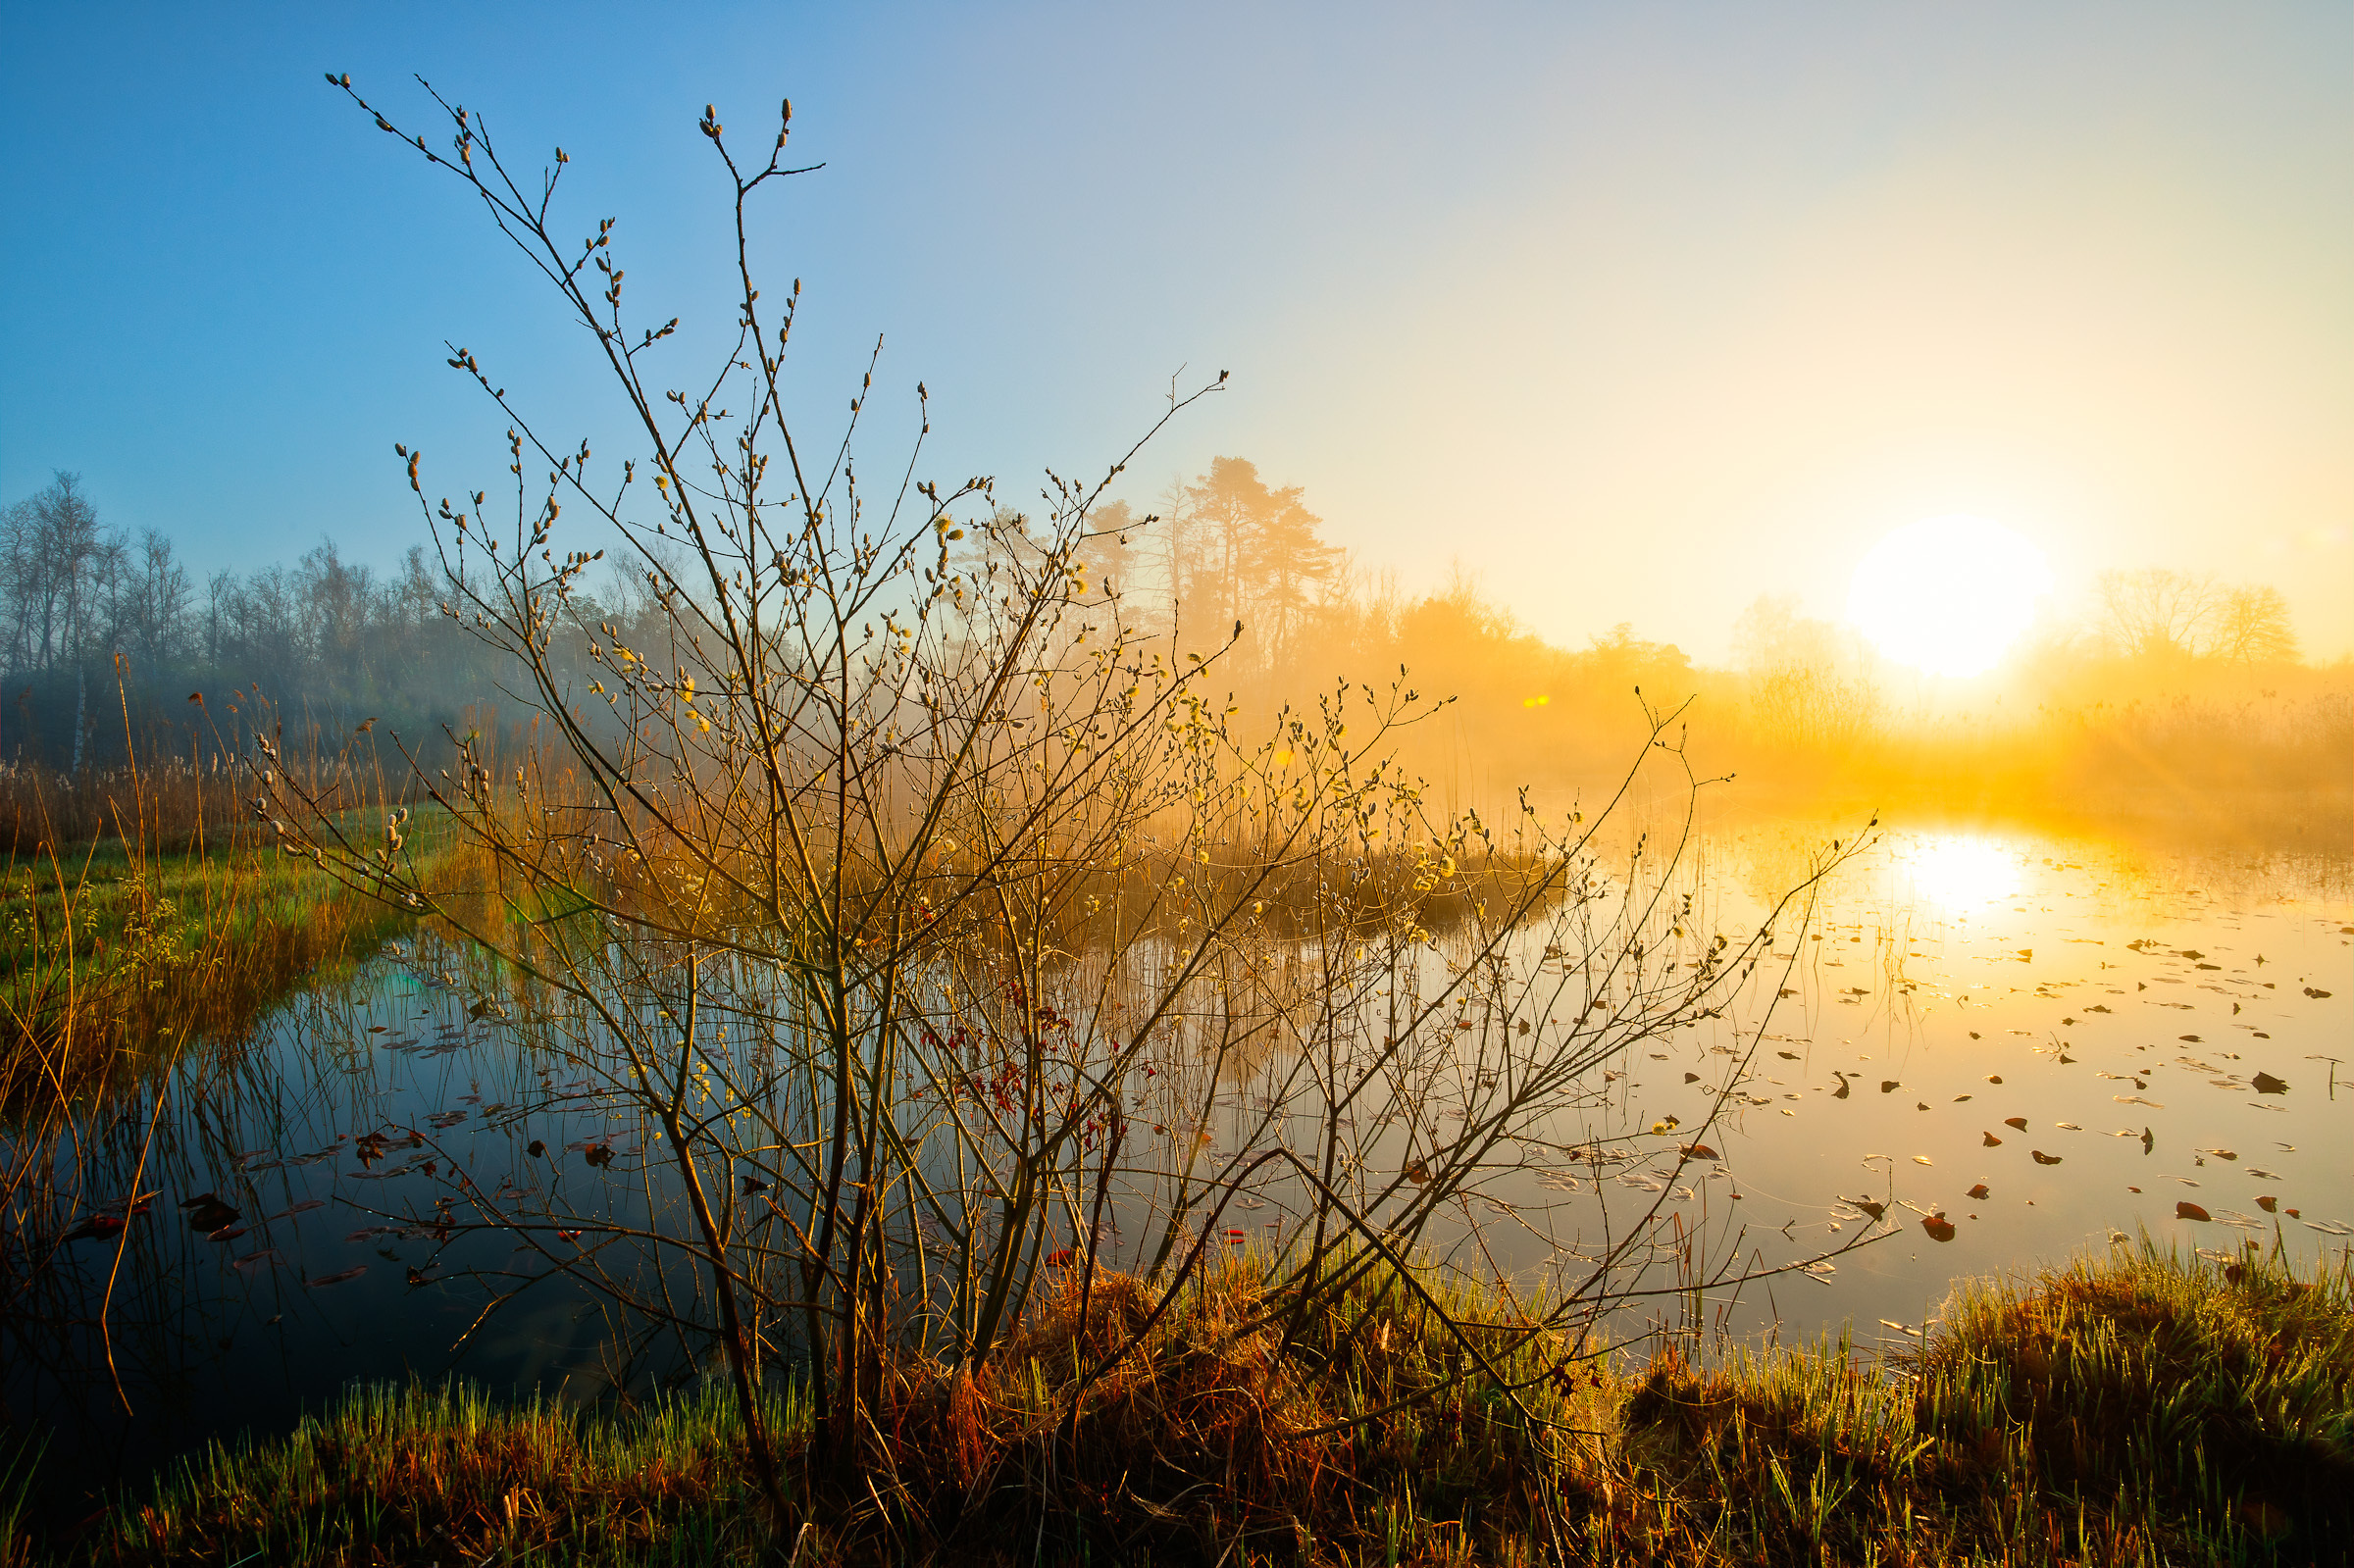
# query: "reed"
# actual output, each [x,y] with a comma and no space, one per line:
[2138,1408]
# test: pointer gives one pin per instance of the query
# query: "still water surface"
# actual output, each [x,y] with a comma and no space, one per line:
[2015,1046]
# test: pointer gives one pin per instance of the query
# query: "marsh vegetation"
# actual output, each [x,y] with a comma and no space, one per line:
[956,1039]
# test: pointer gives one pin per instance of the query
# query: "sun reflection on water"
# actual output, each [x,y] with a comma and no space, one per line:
[1961,870]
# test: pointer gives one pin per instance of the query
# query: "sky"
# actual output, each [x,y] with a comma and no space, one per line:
[1632,313]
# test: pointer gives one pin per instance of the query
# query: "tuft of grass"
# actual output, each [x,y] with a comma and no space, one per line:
[2219,1404]
[2135,1408]
[416,1473]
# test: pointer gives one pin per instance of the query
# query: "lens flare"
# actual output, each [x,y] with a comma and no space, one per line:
[1948,595]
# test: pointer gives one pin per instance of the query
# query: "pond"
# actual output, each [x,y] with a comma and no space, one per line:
[1990,1048]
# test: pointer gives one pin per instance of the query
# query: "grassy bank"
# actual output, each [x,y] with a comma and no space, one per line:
[108,950]
[2132,1409]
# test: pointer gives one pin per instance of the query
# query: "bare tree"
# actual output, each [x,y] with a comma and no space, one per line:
[2252,625]
[2157,613]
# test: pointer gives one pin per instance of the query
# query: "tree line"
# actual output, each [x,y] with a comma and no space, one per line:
[99,618]
[1222,561]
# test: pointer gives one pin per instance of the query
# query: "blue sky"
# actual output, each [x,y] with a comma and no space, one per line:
[1633,312]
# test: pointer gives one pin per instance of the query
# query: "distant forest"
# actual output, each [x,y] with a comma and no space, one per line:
[2170,685]
[330,642]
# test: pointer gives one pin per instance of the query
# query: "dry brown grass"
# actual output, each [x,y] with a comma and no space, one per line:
[2135,1409]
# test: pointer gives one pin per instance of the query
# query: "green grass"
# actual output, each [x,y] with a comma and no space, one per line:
[2135,1408]
[108,948]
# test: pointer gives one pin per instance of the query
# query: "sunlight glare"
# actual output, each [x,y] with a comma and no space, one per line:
[1961,870]
[1948,595]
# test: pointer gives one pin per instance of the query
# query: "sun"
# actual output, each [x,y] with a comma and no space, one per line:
[1948,595]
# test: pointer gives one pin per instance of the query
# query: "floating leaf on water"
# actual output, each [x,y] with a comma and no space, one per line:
[1921,1159]
[303,1207]
[1418,1174]
[1875,1210]
[2268,1203]
[1691,1078]
[2041,1158]
[1994,1078]
[1991,1140]
[2018,1122]
[211,1216]
[1889,1083]
[1939,1228]
[1787,1056]
[2219,1153]
[1980,1191]
[2136,1099]
[2187,1210]
[2317,995]
[2267,1084]
[267,1257]
[102,1226]
[2068,1127]
[1698,1151]
[351,1273]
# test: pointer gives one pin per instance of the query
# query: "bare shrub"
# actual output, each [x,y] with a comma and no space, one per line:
[941,937]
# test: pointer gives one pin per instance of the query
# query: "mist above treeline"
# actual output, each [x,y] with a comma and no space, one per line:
[2166,694]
